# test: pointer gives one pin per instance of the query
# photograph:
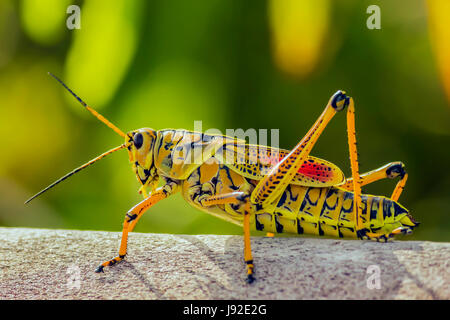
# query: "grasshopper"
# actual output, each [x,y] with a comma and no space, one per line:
[260,188]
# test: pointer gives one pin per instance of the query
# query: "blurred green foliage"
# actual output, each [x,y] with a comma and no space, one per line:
[166,64]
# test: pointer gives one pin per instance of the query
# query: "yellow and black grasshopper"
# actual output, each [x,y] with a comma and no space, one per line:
[260,188]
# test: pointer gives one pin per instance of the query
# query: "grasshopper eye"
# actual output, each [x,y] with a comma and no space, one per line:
[138,140]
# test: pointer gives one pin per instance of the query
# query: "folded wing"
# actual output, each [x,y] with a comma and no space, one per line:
[254,162]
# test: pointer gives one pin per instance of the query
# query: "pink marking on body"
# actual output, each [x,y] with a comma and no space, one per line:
[315,170]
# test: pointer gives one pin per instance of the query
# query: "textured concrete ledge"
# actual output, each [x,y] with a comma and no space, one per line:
[59,264]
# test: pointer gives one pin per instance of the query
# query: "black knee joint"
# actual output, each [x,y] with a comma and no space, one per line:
[396,170]
[340,100]
[131,217]
[99,269]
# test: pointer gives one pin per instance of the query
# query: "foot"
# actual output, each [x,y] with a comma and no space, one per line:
[99,269]
[109,263]
[250,270]
[364,234]
[250,279]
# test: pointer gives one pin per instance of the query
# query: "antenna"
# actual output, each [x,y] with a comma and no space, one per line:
[95,113]
[76,170]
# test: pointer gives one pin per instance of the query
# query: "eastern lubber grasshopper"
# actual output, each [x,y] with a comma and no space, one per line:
[261,188]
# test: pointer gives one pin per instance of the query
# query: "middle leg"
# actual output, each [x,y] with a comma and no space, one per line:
[237,197]
[222,192]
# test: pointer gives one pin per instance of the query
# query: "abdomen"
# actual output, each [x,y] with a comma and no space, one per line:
[329,212]
[299,210]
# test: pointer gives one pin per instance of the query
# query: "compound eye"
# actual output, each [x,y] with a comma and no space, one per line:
[138,140]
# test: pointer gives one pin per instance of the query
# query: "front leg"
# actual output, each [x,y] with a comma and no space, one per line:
[133,215]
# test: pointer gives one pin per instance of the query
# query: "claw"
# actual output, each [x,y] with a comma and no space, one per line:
[250,279]
[99,269]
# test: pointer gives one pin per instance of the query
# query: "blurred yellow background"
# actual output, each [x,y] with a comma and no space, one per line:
[231,64]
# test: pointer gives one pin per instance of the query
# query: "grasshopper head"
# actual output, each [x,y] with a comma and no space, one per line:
[140,151]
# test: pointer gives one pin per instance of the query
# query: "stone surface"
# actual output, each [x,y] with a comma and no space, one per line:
[60,264]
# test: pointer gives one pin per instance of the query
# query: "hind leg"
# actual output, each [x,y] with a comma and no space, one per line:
[273,184]
[389,171]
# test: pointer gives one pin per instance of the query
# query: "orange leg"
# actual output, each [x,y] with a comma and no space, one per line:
[233,197]
[356,183]
[391,170]
[248,258]
[132,216]
[237,197]
[399,188]
[351,133]
[274,183]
